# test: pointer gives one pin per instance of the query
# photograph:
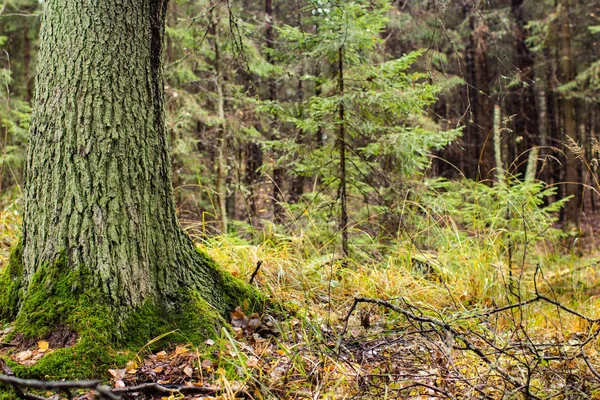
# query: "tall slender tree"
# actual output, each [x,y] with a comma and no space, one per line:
[569,118]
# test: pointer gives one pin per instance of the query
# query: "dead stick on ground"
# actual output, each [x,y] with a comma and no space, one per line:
[155,387]
[258,264]
[103,391]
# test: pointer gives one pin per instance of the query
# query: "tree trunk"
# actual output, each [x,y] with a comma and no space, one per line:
[523,103]
[478,139]
[298,181]
[483,111]
[570,125]
[277,193]
[222,138]
[342,144]
[98,193]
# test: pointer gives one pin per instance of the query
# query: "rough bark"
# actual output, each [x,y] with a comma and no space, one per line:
[98,177]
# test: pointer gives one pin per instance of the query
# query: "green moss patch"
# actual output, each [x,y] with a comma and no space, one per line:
[7,393]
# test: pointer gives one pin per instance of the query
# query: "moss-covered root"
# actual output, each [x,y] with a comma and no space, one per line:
[189,320]
[63,305]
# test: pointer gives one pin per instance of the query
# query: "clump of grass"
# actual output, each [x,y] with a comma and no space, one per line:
[10,226]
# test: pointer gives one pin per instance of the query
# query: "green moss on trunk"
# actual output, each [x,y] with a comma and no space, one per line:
[106,335]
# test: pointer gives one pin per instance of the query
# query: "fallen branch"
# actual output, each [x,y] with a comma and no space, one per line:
[64,386]
[468,345]
[155,387]
[103,391]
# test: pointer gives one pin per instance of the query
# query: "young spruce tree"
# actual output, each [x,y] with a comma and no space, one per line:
[367,110]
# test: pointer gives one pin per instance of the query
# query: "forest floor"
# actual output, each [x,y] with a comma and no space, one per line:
[399,326]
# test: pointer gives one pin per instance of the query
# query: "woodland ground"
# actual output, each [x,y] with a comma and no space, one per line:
[443,334]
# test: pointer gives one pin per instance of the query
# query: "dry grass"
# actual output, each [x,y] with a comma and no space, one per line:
[10,228]
[407,362]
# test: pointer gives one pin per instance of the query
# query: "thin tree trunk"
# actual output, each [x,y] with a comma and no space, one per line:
[297,187]
[342,144]
[222,137]
[478,138]
[277,193]
[27,61]
[483,110]
[500,174]
[523,103]
[570,125]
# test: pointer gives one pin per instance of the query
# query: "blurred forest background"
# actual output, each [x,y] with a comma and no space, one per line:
[441,101]
[442,152]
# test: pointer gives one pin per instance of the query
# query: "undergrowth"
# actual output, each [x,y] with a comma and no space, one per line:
[461,250]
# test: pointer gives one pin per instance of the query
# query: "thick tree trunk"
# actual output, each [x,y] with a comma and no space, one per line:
[98,178]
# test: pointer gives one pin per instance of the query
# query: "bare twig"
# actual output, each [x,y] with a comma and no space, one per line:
[258,264]
[468,345]
[155,387]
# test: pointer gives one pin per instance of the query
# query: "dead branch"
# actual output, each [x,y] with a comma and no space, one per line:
[156,388]
[64,386]
[468,345]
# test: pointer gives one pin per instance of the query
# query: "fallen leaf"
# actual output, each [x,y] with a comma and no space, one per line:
[24,355]
[188,371]
[239,332]
[161,354]
[239,319]
[252,362]
[179,350]
[43,345]
[254,322]
[118,374]
[131,367]
[207,364]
